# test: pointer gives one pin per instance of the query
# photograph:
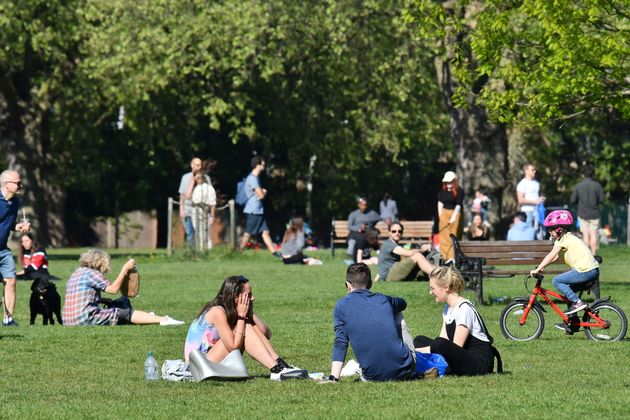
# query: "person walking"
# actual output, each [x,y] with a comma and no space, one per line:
[589,196]
[10,186]
[254,211]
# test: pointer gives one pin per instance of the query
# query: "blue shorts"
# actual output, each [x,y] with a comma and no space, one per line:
[7,265]
[255,224]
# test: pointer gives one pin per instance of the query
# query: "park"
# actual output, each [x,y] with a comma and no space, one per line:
[103,106]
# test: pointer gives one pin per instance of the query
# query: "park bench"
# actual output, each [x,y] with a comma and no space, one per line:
[482,259]
[416,232]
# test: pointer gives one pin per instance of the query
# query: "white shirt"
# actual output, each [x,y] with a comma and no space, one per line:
[464,314]
[531,189]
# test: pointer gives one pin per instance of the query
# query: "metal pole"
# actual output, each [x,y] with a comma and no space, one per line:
[232,223]
[169,232]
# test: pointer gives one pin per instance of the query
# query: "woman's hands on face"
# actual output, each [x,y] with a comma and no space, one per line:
[242,304]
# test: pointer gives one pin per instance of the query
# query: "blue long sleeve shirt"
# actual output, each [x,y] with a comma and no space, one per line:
[366,321]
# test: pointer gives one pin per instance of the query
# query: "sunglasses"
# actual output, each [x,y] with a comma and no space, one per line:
[396,231]
[18,183]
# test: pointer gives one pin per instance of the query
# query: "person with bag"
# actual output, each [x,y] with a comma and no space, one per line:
[83,295]
[464,340]
[228,323]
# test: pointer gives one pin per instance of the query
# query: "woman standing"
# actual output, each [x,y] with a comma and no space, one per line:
[450,202]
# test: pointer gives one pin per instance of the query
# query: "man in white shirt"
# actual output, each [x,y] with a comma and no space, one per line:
[528,195]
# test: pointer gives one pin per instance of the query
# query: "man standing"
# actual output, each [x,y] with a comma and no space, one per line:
[358,223]
[588,195]
[528,195]
[374,327]
[390,265]
[520,230]
[185,203]
[10,185]
[254,212]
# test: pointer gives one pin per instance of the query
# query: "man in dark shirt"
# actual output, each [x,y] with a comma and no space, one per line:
[358,223]
[10,185]
[373,325]
[588,195]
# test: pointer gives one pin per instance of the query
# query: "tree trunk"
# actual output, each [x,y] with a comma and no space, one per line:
[481,146]
[25,144]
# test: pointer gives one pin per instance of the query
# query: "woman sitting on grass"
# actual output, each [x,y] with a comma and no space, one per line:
[228,323]
[464,340]
[293,244]
[83,295]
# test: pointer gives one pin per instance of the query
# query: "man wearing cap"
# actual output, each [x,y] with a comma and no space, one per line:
[10,185]
[359,221]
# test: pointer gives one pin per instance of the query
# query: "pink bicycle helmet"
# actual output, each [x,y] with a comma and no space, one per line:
[559,218]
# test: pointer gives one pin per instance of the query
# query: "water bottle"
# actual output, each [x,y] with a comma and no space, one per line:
[151,368]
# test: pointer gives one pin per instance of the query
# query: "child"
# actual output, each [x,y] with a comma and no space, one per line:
[577,255]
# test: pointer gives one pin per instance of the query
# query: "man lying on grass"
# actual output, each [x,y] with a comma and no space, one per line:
[374,326]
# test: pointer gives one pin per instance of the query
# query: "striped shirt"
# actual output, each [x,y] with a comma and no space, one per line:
[83,294]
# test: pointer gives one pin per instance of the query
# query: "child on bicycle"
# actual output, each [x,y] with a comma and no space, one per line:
[577,255]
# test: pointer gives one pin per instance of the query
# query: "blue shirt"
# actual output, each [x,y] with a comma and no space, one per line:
[366,321]
[254,203]
[521,232]
[8,214]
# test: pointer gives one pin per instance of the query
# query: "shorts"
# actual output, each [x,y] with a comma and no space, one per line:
[123,308]
[405,269]
[588,225]
[7,264]
[255,224]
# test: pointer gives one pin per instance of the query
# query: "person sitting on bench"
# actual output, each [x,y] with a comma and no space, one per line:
[390,265]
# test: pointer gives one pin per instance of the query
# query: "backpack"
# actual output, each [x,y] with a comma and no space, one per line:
[487,333]
[241,195]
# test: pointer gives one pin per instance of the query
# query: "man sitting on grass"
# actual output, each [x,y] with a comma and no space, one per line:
[390,265]
[374,326]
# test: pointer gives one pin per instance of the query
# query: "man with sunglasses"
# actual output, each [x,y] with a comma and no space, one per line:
[391,267]
[10,185]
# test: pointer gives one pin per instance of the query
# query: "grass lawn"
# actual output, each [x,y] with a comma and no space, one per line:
[98,371]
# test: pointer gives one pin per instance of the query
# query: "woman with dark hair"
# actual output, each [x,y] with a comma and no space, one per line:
[450,203]
[228,323]
[293,244]
[477,230]
[33,258]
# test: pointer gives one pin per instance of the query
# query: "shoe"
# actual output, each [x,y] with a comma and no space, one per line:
[11,323]
[277,254]
[576,307]
[170,321]
[561,326]
[350,369]
[289,373]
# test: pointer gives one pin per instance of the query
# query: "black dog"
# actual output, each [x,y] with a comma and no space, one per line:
[45,300]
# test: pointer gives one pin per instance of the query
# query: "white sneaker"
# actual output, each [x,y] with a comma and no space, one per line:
[351,368]
[170,321]
[289,373]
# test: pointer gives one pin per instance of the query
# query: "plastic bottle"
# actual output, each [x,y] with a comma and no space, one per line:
[150,368]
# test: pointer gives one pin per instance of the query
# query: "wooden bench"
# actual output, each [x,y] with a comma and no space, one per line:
[479,259]
[416,232]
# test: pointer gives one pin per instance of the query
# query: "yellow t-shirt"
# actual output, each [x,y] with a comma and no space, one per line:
[576,254]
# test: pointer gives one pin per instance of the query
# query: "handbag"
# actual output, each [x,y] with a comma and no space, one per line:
[426,361]
[131,285]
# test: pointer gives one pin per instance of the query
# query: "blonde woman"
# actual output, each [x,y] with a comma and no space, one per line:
[464,340]
[83,295]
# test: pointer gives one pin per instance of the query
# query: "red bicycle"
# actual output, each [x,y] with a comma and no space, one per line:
[523,319]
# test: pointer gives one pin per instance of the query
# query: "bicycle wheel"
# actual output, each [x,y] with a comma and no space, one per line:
[512,329]
[614,316]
